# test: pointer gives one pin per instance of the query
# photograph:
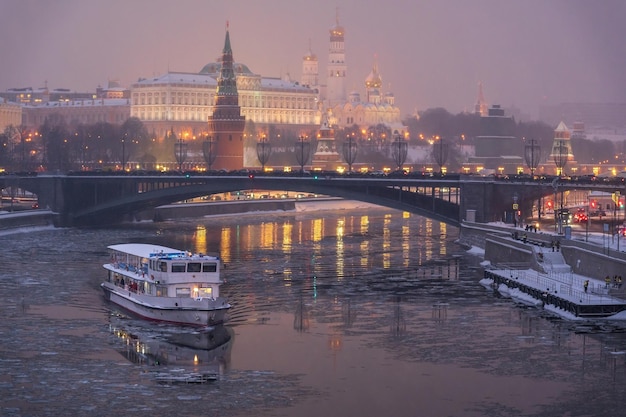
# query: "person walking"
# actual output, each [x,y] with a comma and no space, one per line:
[586,284]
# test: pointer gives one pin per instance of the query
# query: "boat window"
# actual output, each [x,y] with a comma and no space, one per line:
[183,292]
[209,267]
[205,292]
[193,267]
[178,267]
[163,266]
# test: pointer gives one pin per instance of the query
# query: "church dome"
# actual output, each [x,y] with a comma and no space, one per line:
[373,80]
[214,68]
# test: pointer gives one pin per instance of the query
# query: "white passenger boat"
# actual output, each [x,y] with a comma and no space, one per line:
[164,284]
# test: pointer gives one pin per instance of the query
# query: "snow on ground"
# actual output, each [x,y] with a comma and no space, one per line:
[475,250]
[339,204]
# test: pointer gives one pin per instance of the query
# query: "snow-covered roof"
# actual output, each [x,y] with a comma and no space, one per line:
[561,128]
[270,83]
[86,102]
[144,250]
[177,78]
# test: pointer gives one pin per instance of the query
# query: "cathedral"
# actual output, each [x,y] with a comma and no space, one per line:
[348,109]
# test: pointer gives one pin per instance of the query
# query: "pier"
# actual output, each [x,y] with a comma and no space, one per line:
[562,291]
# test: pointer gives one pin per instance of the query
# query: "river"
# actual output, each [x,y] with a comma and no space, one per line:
[368,312]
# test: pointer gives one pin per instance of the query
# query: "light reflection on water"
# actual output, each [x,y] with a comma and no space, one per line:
[361,312]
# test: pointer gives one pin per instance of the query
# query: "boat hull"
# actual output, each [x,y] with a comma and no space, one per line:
[186,311]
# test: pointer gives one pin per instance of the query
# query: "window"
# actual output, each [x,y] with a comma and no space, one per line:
[178,267]
[209,267]
[205,292]
[183,292]
[193,267]
[163,266]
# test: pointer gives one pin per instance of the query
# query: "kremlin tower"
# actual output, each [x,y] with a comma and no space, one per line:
[561,148]
[326,156]
[226,124]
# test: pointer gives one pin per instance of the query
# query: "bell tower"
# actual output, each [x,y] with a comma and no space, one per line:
[337,69]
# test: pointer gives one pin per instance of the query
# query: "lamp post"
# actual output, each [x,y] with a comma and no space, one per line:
[532,154]
[180,152]
[350,151]
[399,150]
[124,153]
[302,150]
[209,151]
[263,151]
[560,160]
[440,152]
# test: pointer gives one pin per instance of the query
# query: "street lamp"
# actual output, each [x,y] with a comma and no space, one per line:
[303,149]
[263,151]
[560,160]
[399,150]
[440,152]
[180,151]
[209,151]
[350,151]
[124,153]
[532,154]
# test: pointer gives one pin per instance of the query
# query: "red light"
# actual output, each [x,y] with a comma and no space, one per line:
[549,204]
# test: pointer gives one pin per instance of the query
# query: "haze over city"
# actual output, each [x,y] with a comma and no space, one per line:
[429,53]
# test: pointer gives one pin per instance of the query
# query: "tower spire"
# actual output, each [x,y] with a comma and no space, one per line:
[226,123]
[480,108]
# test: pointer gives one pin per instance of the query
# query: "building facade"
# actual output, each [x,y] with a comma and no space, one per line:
[497,148]
[75,112]
[10,114]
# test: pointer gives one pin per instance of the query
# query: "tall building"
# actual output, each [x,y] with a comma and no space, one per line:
[337,68]
[226,124]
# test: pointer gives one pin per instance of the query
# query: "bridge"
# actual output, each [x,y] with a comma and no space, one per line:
[99,199]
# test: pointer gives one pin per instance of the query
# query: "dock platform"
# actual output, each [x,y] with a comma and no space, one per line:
[564,291]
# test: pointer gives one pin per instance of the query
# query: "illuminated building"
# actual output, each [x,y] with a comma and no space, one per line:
[10,114]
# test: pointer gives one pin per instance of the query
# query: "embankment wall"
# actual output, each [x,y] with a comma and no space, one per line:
[500,247]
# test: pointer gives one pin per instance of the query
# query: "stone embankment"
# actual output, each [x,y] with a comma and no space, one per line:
[505,245]
[26,218]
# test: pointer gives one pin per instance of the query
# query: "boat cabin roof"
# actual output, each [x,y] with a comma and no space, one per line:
[146,250]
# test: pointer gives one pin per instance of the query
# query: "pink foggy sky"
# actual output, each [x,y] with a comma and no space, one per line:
[430,53]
